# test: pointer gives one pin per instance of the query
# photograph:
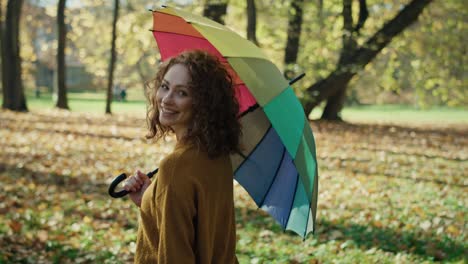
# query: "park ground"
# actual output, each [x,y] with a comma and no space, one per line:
[392,187]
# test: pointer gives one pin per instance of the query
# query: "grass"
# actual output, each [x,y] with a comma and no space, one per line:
[91,103]
[383,114]
[403,114]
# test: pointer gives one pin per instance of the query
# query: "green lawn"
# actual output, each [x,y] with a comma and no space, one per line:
[92,103]
[394,114]
[402,114]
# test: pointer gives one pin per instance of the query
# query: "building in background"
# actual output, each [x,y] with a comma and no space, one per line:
[43,37]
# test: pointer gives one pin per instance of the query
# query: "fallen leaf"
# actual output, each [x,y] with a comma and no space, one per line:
[15,226]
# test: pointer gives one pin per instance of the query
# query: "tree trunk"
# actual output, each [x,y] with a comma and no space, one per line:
[113,58]
[13,90]
[2,31]
[62,101]
[335,102]
[320,13]
[294,33]
[332,110]
[340,77]
[215,11]
[252,21]
[139,68]
[363,15]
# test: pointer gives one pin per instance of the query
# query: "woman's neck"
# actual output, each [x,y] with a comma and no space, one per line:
[180,133]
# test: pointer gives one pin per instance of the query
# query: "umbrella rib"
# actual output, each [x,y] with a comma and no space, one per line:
[188,22]
[250,109]
[292,200]
[253,150]
[276,174]
[307,223]
[171,32]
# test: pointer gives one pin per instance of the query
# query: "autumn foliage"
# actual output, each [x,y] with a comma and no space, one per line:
[386,193]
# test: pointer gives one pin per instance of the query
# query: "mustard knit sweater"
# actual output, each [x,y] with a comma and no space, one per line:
[187,215]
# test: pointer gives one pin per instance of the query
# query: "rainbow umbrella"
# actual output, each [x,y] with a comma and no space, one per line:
[279,167]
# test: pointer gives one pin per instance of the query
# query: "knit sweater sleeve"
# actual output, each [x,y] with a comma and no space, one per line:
[176,212]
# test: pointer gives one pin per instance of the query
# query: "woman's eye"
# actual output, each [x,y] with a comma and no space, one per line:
[183,93]
[164,86]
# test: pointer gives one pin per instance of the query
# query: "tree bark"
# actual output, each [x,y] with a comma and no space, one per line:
[113,58]
[140,68]
[363,15]
[13,90]
[340,77]
[215,11]
[320,13]
[62,101]
[294,33]
[335,102]
[143,78]
[2,32]
[252,21]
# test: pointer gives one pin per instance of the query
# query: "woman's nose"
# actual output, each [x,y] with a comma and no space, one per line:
[167,98]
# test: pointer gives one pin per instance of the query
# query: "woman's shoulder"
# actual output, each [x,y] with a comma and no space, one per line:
[184,155]
[179,163]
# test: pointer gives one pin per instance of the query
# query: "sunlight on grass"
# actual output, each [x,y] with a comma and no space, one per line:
[405,115]
[93,103]
[372,114]
[400,114]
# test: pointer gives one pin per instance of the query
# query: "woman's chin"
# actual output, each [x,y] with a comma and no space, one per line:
[166,120]
[166,123]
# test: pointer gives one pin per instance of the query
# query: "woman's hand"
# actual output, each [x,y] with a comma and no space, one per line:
[136,185]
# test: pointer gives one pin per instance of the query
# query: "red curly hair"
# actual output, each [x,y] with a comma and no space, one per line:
[215,127]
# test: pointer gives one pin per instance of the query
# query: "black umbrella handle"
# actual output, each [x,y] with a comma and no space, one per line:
[120,179]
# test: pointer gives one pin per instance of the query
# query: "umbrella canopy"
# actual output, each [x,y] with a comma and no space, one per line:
[280,171]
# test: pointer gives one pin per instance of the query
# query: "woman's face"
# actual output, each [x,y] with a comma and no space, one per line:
[174,100]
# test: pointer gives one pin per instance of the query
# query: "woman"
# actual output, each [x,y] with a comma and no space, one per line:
[187,215]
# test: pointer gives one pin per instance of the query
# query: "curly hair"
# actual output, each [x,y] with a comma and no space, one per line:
[215,126]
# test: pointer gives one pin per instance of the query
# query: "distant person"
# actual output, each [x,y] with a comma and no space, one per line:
[123,94]
[187,213]
[38,92]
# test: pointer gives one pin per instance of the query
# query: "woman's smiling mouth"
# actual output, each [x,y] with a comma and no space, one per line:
[168,111]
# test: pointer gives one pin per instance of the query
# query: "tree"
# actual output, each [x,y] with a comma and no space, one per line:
[215,10]
[13,90]
[333,87]
[252,21]
[336,101]
[112,58]
[62,101]
[320,13]
[2,31]
[294,33]
[135,50]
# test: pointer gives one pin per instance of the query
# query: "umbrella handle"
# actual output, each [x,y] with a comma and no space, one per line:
[120,179]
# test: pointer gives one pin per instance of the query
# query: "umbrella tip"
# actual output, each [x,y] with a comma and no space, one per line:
[297,78]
